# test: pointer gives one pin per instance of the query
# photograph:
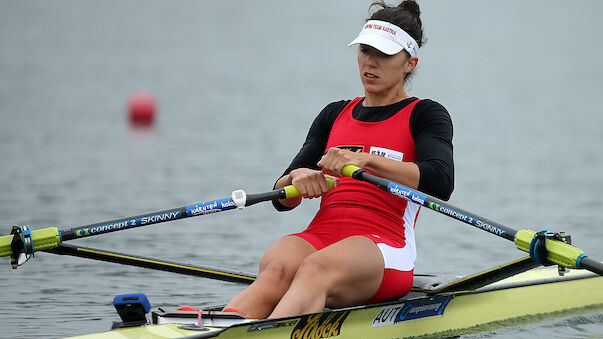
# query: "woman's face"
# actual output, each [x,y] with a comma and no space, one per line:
[381,73]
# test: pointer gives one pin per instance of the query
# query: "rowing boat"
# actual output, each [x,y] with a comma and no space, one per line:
[438,306]
[512,294]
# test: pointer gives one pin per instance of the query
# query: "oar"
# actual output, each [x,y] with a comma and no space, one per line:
[467,283]
[24,240]
[153,263]
[542,247]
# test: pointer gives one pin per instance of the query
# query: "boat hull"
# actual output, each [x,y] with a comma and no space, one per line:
[530,297]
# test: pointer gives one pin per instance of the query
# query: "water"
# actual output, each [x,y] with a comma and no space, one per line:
[238,85]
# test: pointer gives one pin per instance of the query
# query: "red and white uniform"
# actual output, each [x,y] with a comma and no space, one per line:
[360,208]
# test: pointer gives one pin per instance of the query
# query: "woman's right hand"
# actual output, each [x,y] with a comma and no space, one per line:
[310,183]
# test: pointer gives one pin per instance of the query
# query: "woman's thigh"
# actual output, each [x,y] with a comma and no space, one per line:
[352,268]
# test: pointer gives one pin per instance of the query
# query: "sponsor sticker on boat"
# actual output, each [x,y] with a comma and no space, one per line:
[268,325]
[321,325]
[391,314]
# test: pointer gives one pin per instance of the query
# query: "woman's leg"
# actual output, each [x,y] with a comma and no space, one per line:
[345,273]
[277,269]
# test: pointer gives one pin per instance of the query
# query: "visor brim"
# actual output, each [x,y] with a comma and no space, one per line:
[381,43]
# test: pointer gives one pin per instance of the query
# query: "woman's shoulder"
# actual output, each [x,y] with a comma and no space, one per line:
[330,112]
[430,105]
[430,115]
[336,106]
[427,109]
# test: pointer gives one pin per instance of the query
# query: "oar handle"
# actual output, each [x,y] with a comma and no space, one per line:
[292,191]
[349,170]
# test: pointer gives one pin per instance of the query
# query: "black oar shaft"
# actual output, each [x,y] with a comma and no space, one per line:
[123,223]
[436,205]
[259,197]
[153,263]
[555,249]
[51,237]
[169,215]
[592,265]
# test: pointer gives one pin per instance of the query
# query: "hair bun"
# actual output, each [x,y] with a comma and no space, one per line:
[412,7]
[406,15]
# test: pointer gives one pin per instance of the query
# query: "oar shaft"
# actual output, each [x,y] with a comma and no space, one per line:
[52,237]
[193,210]
[592,265]
[153,263]
[126,223]
[179,213]
[431,202]
[557,252]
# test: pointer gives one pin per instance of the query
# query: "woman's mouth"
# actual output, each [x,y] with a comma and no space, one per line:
[370,75]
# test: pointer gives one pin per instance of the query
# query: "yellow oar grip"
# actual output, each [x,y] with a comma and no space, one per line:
[292,192]
[42,239]
[348,170]
[558,252]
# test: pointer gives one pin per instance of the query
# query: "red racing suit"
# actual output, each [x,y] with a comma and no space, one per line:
[360,208]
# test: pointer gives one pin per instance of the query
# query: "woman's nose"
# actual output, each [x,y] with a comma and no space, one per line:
[370,58]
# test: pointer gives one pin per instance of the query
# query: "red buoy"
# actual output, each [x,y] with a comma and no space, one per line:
[142,107]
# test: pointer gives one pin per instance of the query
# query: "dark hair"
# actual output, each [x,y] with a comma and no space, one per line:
[406,15]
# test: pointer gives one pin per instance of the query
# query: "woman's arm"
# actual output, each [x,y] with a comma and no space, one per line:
[405,173]
[303,171]
[432,131]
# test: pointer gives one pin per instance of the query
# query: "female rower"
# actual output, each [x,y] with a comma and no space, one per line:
[360,246]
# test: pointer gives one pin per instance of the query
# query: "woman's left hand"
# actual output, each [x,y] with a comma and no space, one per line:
[335,159]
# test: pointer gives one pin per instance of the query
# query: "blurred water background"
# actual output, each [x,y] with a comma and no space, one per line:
[238,84]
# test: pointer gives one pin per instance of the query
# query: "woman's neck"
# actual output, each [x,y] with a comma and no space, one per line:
[380,99]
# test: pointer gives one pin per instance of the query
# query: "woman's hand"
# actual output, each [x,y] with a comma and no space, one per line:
[311,183]
[336,158]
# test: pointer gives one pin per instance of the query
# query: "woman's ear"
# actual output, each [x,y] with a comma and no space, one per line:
[411,63]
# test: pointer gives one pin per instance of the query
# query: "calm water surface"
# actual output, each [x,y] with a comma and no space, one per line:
[238,85]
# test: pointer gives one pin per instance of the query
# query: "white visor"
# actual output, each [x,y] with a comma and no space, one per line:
[386,37]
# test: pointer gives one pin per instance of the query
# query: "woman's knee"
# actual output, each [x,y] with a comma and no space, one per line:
[277,272]
[315,267]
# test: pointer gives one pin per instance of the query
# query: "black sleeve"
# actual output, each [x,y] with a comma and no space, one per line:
[431,129]
[316,141]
